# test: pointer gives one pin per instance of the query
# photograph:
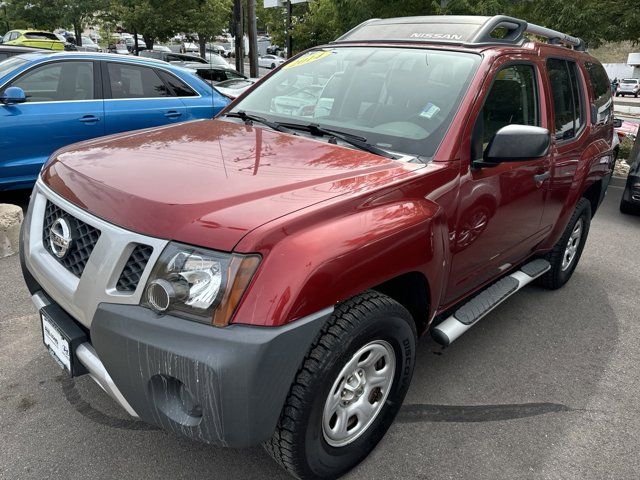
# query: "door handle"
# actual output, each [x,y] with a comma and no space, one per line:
[173,114]
[541,177]
[89,119]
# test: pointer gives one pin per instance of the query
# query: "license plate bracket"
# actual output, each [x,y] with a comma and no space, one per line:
[61,335]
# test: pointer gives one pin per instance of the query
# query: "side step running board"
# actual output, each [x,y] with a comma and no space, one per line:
[466,316]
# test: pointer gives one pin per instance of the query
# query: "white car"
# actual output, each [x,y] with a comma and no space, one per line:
[270,61]
[629,86]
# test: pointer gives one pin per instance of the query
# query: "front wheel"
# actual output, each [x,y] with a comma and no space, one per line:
[566,253]
[348,390]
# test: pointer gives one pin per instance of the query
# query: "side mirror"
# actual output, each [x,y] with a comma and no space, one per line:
[617,122]
[13,95]
[515,143]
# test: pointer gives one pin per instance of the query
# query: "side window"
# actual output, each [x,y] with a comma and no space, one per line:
[134,81]
[601,92]
[567,98]
[55,82]
[180,88]
[3,56]
[7,37]
[512,99]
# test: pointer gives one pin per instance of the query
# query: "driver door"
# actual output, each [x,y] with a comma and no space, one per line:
[500,207]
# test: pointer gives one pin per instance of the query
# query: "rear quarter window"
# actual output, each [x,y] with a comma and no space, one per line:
[567,98]
[601,86]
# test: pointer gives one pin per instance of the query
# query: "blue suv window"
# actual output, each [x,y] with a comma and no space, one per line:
[135,81]
[56,82]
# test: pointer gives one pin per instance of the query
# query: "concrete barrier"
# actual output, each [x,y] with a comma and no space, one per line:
[10,221]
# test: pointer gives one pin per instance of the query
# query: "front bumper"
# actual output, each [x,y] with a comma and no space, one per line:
[224,386]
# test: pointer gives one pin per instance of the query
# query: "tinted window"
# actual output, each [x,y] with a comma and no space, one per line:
[180,88]
[212,74]
[567,99]
[3,56]
[511,100]
[61,81]
[133,81]
[601,91]
[40,36]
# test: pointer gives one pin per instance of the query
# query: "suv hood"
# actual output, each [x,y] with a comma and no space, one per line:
[209,183]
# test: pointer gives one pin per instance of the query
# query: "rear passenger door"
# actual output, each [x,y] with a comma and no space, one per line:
[569,125]
[137,97]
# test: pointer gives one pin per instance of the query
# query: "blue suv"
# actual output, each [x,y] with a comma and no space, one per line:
[49,100]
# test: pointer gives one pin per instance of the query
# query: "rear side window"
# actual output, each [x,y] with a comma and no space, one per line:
[601,92]
[40,36]
[134,81]
[512,100]
[179,88]
[567,98]
[3,56]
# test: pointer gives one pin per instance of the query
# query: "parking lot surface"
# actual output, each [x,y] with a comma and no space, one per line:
[546,387]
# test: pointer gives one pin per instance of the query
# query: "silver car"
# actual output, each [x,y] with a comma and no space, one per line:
[629,86]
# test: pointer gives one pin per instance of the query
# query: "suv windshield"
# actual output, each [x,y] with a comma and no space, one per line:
[398,99]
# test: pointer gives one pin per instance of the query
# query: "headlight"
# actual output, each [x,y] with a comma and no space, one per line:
[199,284]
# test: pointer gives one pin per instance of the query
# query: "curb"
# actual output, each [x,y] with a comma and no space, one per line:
[10,220]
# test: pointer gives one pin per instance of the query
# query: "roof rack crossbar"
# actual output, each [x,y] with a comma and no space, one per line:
[553,35]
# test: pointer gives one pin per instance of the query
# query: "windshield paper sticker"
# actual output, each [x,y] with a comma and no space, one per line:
[311,57]
[430,111]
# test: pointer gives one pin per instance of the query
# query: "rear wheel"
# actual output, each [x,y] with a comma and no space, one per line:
[628,208]
[349,389]
[273,65]
[566,253]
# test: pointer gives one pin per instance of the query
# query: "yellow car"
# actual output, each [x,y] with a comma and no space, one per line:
[33,38]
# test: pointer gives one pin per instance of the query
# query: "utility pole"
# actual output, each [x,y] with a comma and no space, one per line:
[253,38]
[239,31]
[289,40]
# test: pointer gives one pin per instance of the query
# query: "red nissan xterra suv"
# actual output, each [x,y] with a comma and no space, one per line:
[263,277]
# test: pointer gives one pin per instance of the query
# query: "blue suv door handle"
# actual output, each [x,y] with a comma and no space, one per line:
[89,119]
[173,114]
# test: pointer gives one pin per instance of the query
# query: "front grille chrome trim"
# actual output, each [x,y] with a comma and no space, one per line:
[80,297]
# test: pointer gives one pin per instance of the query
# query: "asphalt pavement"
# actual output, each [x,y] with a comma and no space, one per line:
[546,387]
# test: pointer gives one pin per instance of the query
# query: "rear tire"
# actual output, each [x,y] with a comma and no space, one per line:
[273,65]
[308,441]
[566,253]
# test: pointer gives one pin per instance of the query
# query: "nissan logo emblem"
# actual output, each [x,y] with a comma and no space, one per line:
[60,237]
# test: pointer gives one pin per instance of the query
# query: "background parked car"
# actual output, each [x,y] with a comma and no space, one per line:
[88,45]
[68,46]
[174,58]
[57,98]
[118,48]
[33,38]
[7,51]
[630,202]
[214,74]
[270,61]
[235,87]
[628,86]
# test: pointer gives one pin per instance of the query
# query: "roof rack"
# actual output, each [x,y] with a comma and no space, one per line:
[459,30]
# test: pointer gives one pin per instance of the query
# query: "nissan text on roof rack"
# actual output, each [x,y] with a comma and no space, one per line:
[262,278]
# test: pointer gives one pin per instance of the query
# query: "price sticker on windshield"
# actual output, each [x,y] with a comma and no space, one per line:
[310,57]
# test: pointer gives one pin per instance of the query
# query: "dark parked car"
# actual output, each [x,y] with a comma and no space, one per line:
[7,51]
[630,202]
[175,58]
[213,73]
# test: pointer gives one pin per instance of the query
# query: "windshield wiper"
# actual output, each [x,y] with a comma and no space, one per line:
[355,140]
[248,118]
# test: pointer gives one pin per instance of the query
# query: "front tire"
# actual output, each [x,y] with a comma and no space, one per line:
[348,390]
[566,253]
[628,208]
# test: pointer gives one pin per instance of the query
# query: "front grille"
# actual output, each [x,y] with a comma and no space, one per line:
[84,237]
[130,276]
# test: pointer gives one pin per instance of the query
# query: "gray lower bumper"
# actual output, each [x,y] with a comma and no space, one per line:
[224,386]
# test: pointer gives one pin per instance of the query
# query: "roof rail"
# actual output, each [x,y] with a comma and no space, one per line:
[453,29]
